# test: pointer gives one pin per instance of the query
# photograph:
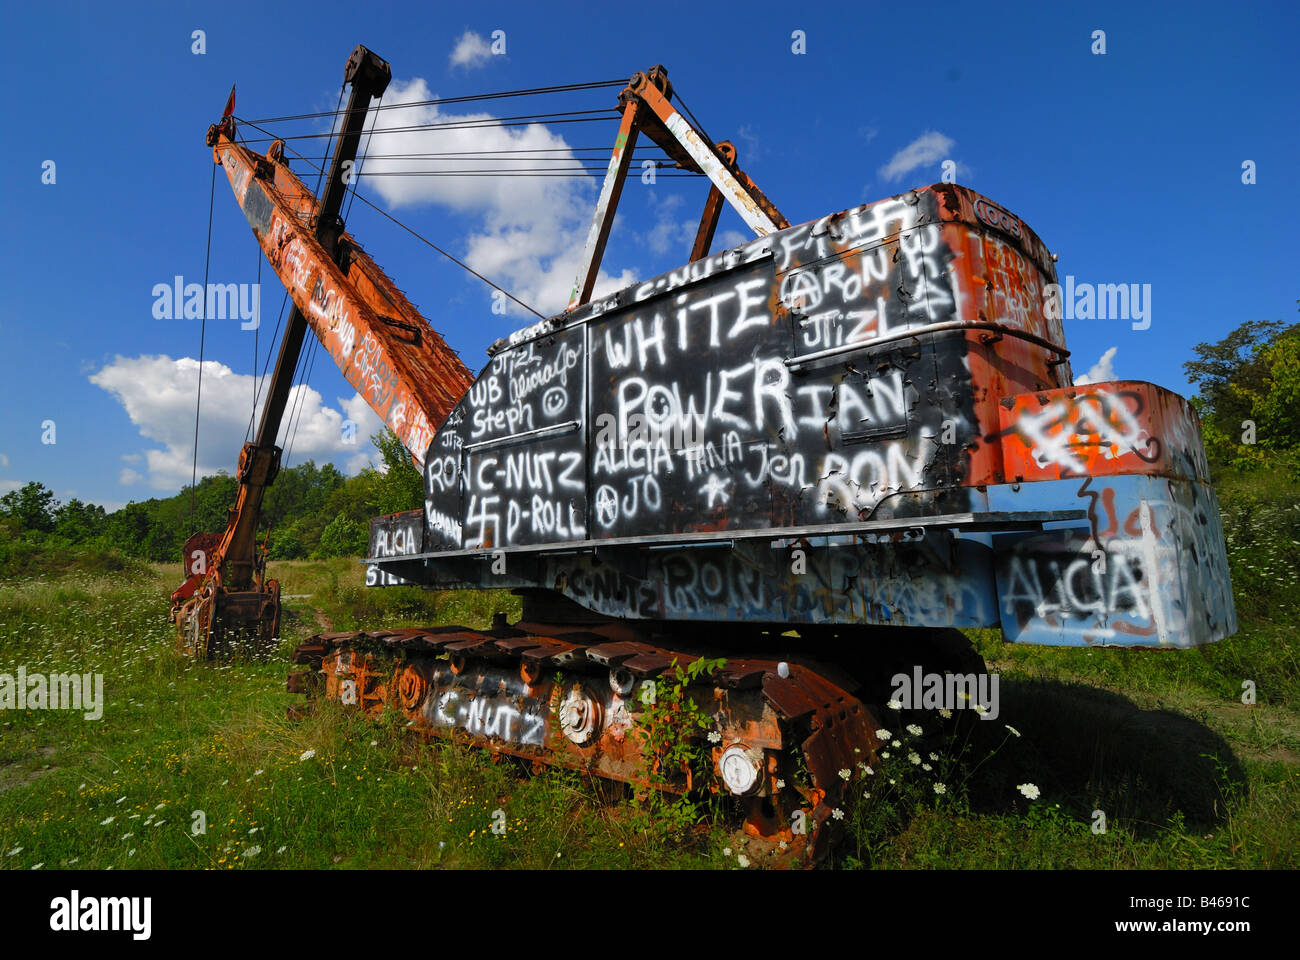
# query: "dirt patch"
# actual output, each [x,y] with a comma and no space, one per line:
[15,775]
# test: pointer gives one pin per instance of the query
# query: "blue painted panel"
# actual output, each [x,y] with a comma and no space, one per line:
[1147,568]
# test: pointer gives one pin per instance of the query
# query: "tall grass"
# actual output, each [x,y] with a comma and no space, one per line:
[1183,773]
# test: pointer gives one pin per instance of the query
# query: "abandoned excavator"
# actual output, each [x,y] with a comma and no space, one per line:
[816,456]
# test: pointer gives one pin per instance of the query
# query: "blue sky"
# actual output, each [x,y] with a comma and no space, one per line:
[1127,164]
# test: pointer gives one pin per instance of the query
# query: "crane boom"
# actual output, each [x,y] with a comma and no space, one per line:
[399,365]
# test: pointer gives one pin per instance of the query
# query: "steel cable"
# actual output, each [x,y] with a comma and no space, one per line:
[203,333]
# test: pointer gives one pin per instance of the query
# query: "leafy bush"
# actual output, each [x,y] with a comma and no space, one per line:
[343,537]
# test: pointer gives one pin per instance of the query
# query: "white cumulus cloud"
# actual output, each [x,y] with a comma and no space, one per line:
[926,149]
[531,230]
[158,393]
[471,50]
[1103,369]
[669,232]
[731,238]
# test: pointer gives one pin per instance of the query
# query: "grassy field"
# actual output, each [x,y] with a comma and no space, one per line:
[1184,773]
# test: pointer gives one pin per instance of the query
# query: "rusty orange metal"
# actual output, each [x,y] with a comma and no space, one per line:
[1101,429]
[401,367]
[598,235]
[647,108]
[576,697]
[712,209]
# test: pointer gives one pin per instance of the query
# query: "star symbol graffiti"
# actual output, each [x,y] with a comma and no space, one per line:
[715,488]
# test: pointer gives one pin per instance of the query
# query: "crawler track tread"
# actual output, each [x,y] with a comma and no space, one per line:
[500,684]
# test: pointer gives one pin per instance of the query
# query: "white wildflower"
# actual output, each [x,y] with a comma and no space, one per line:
[306,755]
[945,713]
[1012,730]
[1028,790]
[883,734]
[846,773]
[895,704]
[837,813]
[715,737]
[742,860]
[913,729]
[914,758]
[940,788]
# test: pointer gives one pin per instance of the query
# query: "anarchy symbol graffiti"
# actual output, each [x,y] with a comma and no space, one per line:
[606,506]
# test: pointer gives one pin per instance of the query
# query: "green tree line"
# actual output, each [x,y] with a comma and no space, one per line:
[1248,396]
[308,512]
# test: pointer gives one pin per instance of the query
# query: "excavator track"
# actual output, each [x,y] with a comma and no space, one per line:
[779,733]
